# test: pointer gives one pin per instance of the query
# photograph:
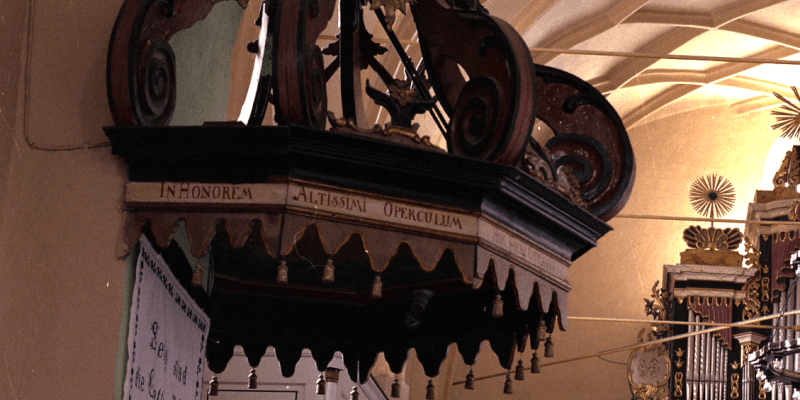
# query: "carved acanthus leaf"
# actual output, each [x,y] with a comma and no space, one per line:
[650,392]
[752,288]
[536,162]
[788,175]
[658,307]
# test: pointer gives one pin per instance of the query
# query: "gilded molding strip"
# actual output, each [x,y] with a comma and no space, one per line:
[678,374]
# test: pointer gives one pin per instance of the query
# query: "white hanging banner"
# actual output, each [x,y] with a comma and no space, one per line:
[166,336]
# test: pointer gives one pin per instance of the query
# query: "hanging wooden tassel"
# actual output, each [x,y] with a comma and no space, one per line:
[283,272]
[519,374]
[395,389]
[497,306]
[469,384]
[320,384]
[430,393]
[354,393]
[507,387]
[332,375]
[541,332]
[548,347]
[377,287]
[251,379]
[197,276]
[327,271]
[213,386]
[535,364]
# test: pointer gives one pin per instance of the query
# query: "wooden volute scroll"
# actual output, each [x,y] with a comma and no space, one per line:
[300,94]
[491,114]
[589,138]
[141,63]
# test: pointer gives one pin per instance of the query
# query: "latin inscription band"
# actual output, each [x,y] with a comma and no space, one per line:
[308,197]
[522,252]
[382,209]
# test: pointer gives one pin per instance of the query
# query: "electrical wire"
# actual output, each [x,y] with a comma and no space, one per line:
[26,96]
[685,323]
[747,323]
[705,219]
[612,361]
[684,57]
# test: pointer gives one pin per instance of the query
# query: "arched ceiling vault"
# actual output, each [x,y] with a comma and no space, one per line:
[760,30]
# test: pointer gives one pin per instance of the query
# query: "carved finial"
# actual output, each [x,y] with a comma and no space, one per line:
[712,195]
[788,175]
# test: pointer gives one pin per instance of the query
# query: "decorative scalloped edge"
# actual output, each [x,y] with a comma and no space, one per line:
[475,268]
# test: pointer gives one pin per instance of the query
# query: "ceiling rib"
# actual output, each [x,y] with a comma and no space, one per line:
[594,26]
[760,31]
[754,104]
[657,102]
[531,13]
[676,18]
[714,74]
[687,57]
[628,69]
[756,85]
[738,9]
[616,15]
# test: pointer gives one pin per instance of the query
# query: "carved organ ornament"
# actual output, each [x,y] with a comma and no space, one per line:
[405,214]
[776,360]
[708,288]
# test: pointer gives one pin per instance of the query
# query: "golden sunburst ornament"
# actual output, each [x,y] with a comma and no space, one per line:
[788,116]
[712,195]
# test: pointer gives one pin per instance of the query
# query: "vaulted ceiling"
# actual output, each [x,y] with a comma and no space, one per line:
[657,57]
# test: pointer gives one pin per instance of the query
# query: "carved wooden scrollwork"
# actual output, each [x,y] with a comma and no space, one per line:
[300,93]
[477,65]
[156,85]
[141,64]
[490,111]
[589,137]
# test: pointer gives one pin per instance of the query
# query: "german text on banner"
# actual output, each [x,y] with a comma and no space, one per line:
[167,335]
